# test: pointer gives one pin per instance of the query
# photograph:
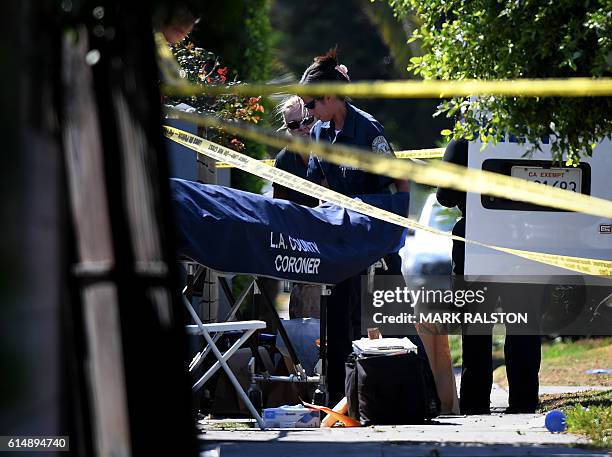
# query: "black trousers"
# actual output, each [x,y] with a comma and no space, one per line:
[522,354]
[343,317]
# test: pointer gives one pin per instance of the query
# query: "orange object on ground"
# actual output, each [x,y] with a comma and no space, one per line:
[336,416]
[341,408]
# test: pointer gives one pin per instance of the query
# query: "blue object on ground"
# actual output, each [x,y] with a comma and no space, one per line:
[233,231]
[555,421]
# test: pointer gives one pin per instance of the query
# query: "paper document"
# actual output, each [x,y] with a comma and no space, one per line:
[366,346]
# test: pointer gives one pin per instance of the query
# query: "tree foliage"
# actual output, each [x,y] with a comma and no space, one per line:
[494,39]
[203,68]
[365,34]
[240,32]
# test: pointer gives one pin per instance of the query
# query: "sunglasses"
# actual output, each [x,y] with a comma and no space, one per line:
[311,104]
[294,125]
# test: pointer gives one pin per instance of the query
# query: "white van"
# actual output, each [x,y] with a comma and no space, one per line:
[502,222]
[574,304]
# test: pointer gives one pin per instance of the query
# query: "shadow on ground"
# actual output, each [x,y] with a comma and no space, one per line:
[315,449]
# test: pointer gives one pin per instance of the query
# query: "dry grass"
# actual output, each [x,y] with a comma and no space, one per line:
[586,399]
[565,364]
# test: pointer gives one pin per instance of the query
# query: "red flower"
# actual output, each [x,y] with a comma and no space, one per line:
[237,144]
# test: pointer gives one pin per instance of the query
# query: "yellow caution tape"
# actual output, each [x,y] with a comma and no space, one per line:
[570,87]
[268,162]
[432,153]
[434,173]
[585,266]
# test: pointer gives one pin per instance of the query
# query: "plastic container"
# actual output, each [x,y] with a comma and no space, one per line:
[296,416]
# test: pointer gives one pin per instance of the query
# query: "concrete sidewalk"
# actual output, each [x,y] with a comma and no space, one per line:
[493,435]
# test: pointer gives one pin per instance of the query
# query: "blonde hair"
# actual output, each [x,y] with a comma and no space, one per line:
[292,102]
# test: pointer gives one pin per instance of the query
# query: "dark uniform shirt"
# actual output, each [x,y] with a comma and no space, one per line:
[360,130]
[456,152]
[344,305]
[293,163]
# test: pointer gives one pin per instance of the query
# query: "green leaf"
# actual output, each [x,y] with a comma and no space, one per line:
[492,39]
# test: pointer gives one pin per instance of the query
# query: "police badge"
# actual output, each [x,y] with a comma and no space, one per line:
[380,145]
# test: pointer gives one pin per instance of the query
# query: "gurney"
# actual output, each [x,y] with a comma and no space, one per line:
[235,232]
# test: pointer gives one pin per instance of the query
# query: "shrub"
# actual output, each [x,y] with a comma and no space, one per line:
[202,67]
[486,39]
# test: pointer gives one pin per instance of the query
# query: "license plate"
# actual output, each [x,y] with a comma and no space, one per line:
[563,178]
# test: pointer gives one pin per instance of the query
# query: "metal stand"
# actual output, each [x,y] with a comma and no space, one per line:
[321,395]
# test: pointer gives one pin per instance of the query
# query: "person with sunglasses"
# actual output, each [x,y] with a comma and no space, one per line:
[305,298]
[340,122]
[296,121]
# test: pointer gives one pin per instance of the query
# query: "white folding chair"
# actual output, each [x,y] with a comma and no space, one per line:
[205,330]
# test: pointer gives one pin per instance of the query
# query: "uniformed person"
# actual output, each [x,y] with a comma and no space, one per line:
[522,352]
[340,122]
[305,299]
[296,122]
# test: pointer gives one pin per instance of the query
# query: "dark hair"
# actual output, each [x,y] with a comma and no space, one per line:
[324,68]
[182,13]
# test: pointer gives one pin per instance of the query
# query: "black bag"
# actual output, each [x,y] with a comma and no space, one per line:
[390,389]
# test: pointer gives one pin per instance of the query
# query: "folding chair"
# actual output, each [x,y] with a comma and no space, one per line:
[205,330]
